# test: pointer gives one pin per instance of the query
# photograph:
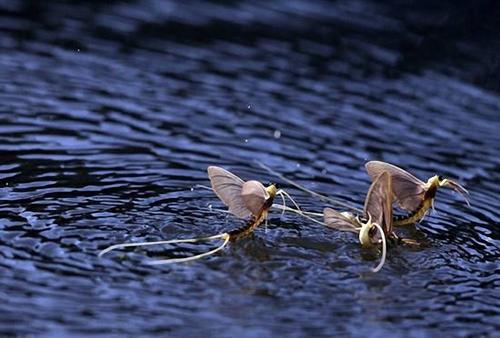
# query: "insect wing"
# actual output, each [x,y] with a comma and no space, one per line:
[378,203]
[336,220]
[254,196]
[387,205]
[408,190]
[228,187]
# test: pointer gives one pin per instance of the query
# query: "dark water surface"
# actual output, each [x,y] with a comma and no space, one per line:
[110,114]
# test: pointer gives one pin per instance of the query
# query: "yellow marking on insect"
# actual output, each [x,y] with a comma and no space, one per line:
[272,190]
[364,233]
[366,240]
[417,216]
[412,194]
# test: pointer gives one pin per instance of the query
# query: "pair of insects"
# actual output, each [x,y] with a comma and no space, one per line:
[252,201]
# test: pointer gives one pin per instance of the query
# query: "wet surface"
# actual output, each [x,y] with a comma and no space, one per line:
[110,115]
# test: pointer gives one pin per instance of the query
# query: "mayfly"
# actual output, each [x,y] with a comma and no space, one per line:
[377,223]
[246,200]
[410,193]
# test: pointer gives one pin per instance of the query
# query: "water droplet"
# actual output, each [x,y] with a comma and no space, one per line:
[298,165]
[192,189]
[249,106]
[246,140]
[277,134]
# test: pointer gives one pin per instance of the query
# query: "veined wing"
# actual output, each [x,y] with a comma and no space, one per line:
[408,190]
[336,220]
[228,187]
[254,196]
[378,202]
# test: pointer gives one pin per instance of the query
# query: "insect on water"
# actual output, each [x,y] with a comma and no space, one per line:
[412,194]
[246,200]
[378,202]
[377,223]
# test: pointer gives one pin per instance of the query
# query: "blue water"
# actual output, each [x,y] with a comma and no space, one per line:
[110,114]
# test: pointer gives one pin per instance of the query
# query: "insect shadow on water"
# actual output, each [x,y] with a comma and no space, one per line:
[246,200]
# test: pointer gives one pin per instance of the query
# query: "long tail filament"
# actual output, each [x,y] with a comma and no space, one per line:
[280,192]
[384,249]
[283,192]
[299,212]
[311,192]
[201,186]
[224,236]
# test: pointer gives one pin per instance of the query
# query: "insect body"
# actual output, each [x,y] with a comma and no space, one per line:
[412,194]
[244,199]
[377,213]
[248,200]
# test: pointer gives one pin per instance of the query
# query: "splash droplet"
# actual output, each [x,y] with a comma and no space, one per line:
[277,134]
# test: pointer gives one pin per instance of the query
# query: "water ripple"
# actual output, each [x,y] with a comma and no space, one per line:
[110,114]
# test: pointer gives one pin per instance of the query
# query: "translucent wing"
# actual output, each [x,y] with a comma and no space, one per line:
[378,203]
[408,190]
[228,187]
[254,196]
[336,220]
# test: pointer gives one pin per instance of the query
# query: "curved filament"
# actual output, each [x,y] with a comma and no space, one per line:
[224,236]
[283,193]
[461,190]
[280,192]
[291,199]
[309,213]
[220,210]
[299,212]
[311,192]
[201,186]
[384,249]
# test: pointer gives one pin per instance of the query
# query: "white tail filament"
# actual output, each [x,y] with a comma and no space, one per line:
[224,236]
[299,212]
[311,192]
[384,249]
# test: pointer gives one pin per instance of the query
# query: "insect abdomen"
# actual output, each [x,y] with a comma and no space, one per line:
[246,229]
[415,216]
